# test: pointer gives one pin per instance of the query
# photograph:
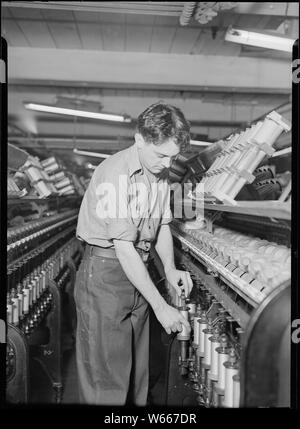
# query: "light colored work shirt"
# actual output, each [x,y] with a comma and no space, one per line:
[123,201]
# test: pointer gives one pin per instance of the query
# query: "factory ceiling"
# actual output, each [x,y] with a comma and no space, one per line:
[119,57]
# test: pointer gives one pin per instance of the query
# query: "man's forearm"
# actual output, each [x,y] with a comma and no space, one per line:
[137,273]
[169,317]
[164,247]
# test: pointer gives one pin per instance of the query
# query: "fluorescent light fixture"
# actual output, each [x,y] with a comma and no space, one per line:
[282,152]
[88,153]
[75,112]
[199,143]
[262,40]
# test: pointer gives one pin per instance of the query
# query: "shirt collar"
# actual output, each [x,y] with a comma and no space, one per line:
[134,163]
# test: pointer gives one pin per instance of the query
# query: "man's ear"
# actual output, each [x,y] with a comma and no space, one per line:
[139,140]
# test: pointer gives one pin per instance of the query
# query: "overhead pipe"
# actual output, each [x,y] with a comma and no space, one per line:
[93,154]
[54,139]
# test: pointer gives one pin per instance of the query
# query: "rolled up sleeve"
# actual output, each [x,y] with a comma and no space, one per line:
[120,229]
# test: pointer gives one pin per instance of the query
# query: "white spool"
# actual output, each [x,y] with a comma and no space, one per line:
[196,330]
[64,182]
[214,368]
[207,349]
[52,167]
[34,174]
[271,129]
[26,300]
[201,336]
[58,176]
[15,310]
[222,358]
[48,161]
[228,397]
[69,188]
[43,189]
[236,391]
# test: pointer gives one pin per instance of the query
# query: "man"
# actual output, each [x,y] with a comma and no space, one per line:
[124,210]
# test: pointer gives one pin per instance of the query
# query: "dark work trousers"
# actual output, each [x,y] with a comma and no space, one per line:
[112,339]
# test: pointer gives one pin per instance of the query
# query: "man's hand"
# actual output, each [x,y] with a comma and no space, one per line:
[171,319]
[175,277]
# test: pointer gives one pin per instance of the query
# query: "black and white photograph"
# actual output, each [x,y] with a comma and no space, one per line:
[148,225]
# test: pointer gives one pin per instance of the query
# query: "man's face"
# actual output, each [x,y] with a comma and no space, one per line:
[156,158]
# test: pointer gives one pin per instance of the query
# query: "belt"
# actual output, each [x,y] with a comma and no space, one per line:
[109,252]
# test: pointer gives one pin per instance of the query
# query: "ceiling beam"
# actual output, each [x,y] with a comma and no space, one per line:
[157,92]
[141,8]
[130,68]
[70,143]
[284,9]
[84,88]
[93,20]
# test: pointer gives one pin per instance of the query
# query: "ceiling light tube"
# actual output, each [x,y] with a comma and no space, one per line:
[262,40]
[73,112]
[199,143]
[282,152]
[88,153]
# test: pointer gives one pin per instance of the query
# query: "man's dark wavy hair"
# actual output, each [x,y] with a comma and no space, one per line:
[160,122]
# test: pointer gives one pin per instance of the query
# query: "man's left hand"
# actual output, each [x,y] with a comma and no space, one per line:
[175,277]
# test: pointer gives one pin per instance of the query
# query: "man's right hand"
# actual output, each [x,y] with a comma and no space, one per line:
[171,319]
[134,268]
